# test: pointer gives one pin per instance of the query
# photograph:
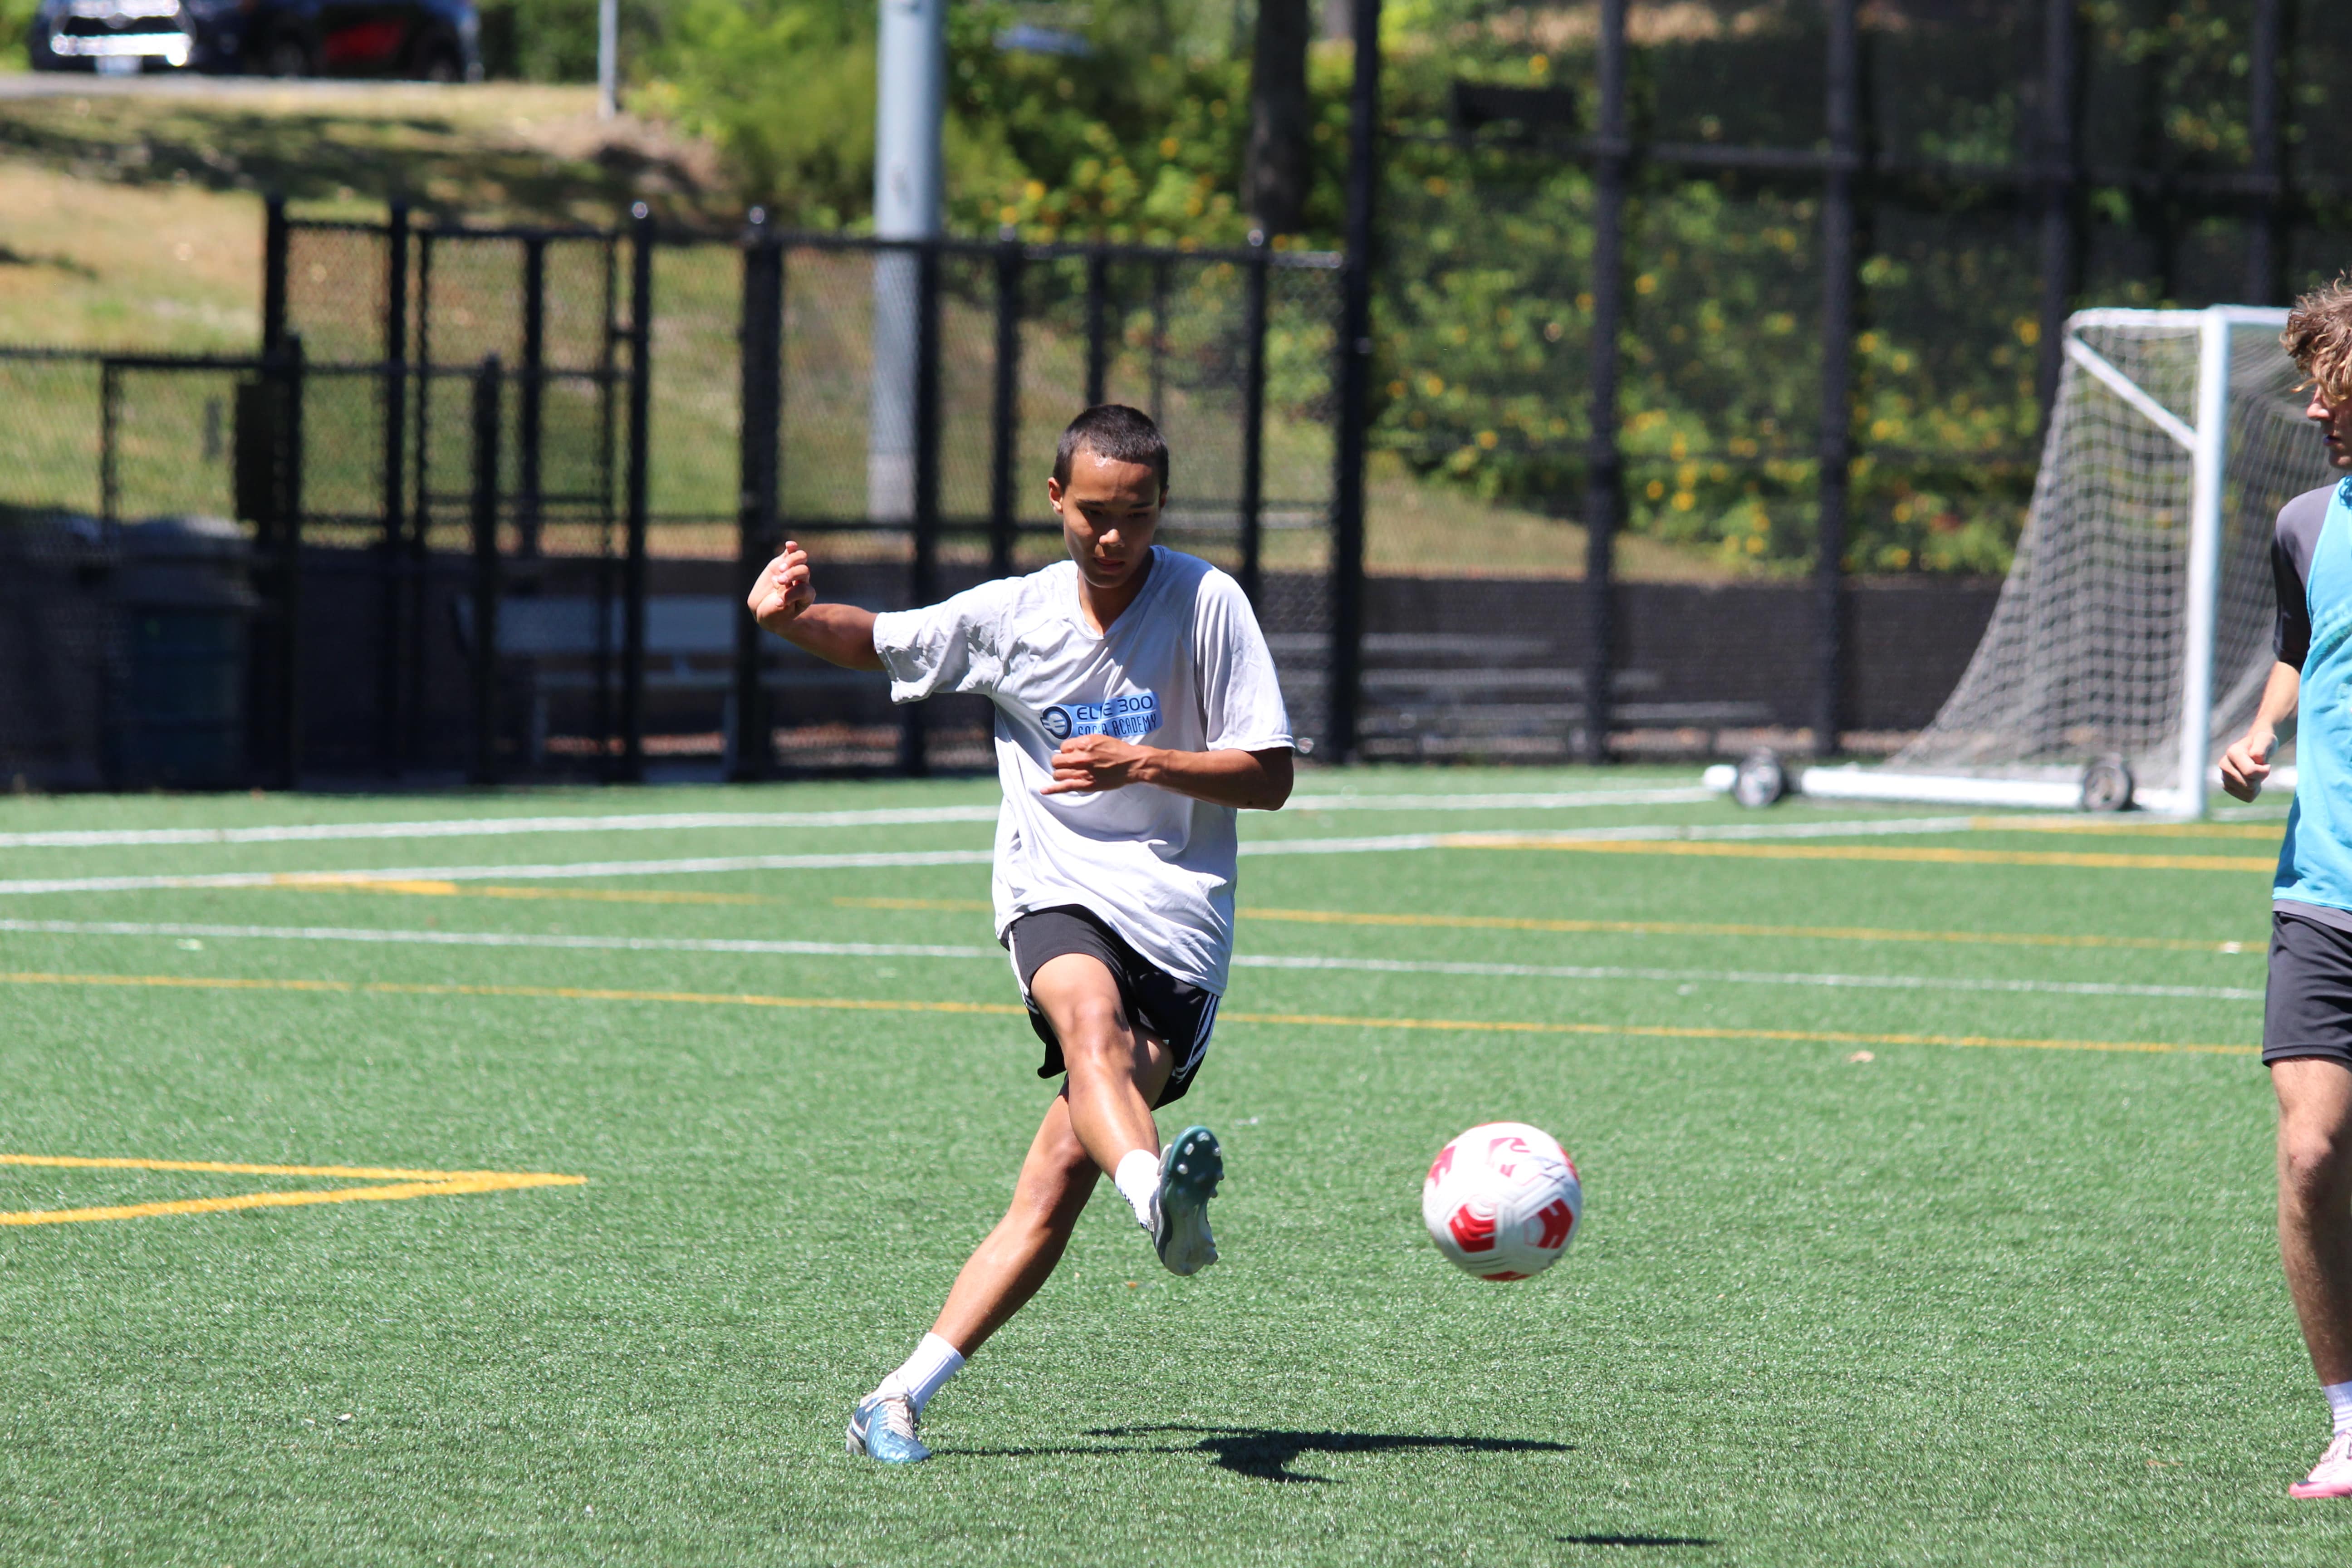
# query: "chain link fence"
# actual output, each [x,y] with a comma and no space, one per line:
[486,502]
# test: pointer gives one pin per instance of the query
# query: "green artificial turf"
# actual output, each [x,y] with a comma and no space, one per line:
[1953,1303]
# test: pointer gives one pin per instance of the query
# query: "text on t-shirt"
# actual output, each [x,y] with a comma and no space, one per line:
[1129,716]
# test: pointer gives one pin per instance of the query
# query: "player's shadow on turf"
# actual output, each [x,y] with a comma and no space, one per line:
[1634,1540]
[1267,1454]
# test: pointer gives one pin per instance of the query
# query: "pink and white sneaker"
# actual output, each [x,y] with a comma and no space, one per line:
[2332,1477]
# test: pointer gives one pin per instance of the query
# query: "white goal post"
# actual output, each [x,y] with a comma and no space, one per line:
[2133,636]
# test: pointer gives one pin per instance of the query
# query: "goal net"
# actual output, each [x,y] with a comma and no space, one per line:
[2136,623]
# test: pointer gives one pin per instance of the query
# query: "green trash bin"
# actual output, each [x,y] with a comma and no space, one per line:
[185,590]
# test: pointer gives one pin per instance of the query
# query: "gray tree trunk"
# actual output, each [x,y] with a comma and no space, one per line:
[1275,180]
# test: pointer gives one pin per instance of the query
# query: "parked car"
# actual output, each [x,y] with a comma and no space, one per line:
[437,40]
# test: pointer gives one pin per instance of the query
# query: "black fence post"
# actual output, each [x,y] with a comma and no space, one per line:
[1254,418]
[2266,239]
[1098,323]
[273,275]
[608,504]
[393,655]
[1355,373]
[1004,429]
[1843,111]
[529,387]
[109,417]
[486,563]
[2061,218]
[420,505]
[1605,462]
[755,532]
[268,495]
[633,586]
[923,586]
[1158,368]
[285,687]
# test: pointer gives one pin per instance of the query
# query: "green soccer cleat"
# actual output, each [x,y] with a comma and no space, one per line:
[1190,1170]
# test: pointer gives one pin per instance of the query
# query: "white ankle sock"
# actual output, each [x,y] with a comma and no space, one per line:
[1138,1181]
[2339,1404]
[927,1371]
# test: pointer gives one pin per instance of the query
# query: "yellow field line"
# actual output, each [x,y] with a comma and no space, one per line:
[1320,1020]
[1650,928]
[2271,831]
[2079,859]
[426,1184]
[544,993]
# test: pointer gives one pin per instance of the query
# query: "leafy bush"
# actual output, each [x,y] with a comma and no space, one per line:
[1484,308]
[16,18]
[785,88]
[1137,138]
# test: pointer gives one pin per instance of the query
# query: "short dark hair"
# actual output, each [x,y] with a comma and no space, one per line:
[1116,432]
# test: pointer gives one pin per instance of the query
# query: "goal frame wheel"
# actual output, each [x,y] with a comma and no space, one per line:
[2107,786]
[1761,780]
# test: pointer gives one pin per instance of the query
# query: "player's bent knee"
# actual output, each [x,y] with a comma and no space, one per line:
[1099,1044]
[2314,1162]
[1055,1181]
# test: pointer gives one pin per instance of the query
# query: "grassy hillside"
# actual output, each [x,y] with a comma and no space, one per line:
[134,218]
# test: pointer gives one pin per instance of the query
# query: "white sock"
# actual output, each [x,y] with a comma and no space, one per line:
[926,1372]
[1138,1181]
[2339,1405]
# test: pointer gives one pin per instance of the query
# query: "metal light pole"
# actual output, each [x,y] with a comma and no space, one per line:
[910,98]
[608,58]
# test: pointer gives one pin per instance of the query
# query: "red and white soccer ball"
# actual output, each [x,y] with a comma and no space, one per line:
[1502,1201]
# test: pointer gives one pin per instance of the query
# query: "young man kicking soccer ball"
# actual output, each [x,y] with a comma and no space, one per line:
[2307,1014]
[1136,709]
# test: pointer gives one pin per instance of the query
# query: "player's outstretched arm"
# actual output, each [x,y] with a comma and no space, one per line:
[1252,781]
[2247,762]
[783,601]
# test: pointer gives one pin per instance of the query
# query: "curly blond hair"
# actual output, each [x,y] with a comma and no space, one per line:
[2319,337]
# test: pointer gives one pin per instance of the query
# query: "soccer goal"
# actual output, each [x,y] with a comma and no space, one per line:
[2133,636]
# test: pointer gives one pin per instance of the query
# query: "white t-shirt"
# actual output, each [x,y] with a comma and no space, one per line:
[1183,668]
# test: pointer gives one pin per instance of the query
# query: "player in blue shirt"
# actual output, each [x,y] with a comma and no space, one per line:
[2307,1014]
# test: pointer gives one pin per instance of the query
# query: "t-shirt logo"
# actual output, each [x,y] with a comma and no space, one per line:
[1129,716]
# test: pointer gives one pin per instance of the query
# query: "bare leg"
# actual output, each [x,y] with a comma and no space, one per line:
[1115,1069]
[2314,1212]
[997,1281]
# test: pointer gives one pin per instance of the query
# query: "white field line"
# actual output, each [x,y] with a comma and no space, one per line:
[664,822]
[1750,977]
[582,868]
[493,827]
[557,872]
[1243,961]
[564,871]
[1632,832]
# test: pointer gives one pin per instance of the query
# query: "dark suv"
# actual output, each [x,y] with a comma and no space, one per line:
[437,40]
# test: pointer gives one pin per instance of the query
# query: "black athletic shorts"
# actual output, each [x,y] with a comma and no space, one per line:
[1181,1015]
[2308,1010]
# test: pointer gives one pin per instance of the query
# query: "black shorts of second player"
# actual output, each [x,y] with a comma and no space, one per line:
[1182,1016]
[2307,1009]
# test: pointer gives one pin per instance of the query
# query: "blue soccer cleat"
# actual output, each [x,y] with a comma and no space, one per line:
[882,1428]
[1190,1170]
